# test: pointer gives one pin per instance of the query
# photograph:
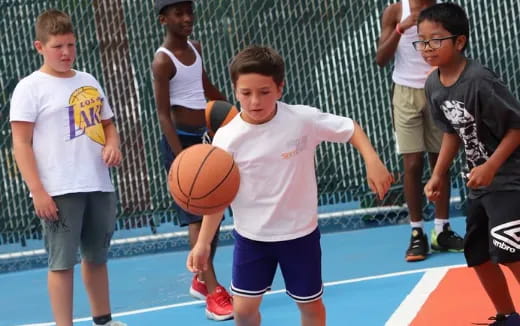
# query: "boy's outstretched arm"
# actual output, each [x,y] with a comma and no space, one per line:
[198,257]
[378,177]
[482,175]
[44,205]
[449,148]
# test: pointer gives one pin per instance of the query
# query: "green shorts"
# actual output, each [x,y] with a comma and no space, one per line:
[415,129]
[86,221]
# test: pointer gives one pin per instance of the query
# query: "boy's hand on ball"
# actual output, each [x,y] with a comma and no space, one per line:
[198,258]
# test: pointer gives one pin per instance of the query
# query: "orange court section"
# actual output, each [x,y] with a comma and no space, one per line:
[460,300]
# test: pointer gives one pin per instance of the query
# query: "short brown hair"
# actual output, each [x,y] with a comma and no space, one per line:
[52,22]
[260,60]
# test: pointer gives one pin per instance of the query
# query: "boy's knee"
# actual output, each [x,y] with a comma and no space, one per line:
[413,163]
[94,264]
[315,309]
[244,310]
[246,307]
[246,316]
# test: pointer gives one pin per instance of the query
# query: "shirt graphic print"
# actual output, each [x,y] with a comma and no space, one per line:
[465,125]
[84,112]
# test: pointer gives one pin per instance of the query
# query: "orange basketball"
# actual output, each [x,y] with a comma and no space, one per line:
[203,179]
[218,114]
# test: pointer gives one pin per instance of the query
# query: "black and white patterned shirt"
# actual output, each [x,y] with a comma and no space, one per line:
[480,109]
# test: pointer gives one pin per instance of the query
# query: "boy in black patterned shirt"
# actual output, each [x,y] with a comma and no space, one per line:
[475,108]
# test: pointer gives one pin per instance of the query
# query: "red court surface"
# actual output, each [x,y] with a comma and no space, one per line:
[460,300]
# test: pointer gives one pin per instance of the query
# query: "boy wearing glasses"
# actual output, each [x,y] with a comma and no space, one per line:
[415,130]
[474,108]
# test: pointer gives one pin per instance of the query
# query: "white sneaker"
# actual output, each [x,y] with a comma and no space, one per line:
[112,323]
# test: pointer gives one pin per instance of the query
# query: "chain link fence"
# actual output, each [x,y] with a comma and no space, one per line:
[329,48]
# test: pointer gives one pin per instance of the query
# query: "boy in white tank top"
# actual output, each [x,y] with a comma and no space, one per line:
[415,130]
[181,87]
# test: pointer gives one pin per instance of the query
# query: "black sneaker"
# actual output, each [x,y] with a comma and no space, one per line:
[501,320]
[418,249]
[447,240]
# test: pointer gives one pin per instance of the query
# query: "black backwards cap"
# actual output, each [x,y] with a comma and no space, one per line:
[160,4]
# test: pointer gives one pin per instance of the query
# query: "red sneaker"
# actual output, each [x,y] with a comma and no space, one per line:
[198,289]
[219,305]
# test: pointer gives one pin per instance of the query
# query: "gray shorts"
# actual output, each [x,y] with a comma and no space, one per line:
[86,221]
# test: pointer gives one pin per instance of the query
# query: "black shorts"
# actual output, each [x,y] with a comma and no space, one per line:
[493,228]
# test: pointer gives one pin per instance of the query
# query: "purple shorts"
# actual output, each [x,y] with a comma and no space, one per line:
[255,262]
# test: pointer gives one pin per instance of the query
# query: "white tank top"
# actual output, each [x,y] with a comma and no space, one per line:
[410,69]
[186,87]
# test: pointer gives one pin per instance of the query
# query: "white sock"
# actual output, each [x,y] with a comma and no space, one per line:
[439,224]
[419,224]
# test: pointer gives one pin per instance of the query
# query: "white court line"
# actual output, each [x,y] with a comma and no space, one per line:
[434,270]
[413,302]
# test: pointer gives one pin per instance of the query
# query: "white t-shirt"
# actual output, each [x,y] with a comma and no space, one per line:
[68,135]
[277,199]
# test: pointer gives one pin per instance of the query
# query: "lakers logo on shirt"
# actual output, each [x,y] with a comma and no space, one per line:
[85,105]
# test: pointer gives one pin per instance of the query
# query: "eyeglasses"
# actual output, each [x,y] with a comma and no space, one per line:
[434,43]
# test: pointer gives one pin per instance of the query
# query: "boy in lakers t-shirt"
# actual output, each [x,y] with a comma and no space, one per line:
[64,141]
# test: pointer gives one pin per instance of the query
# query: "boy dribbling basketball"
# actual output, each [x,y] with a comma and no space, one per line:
[275,210]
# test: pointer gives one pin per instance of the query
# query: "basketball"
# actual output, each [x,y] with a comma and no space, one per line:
[218,114]
[203,179]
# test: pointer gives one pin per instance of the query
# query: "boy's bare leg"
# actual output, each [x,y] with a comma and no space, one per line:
[208,276]
[413,189]
[246,311]
[312,313]
[95,278]
[515,269]
[494,282]
[60,284]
